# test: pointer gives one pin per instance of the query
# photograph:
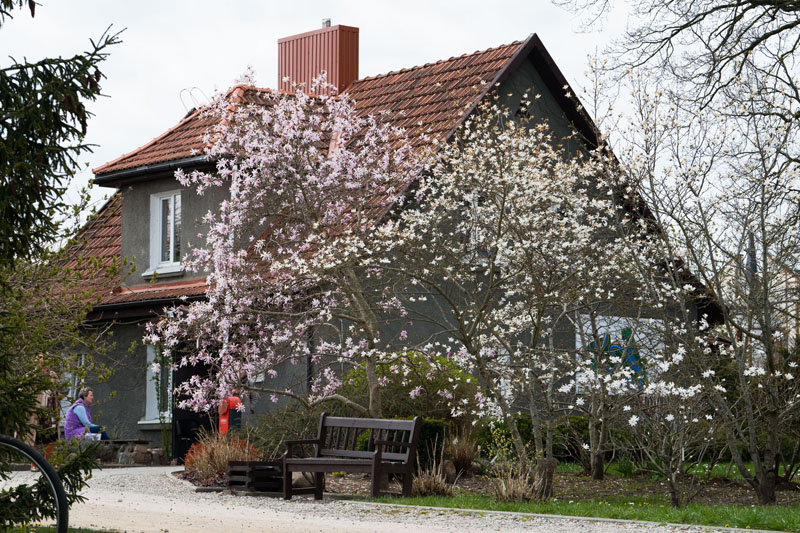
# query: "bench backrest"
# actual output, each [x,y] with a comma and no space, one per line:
[340,437]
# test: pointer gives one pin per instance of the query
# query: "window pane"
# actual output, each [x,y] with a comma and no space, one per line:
[165,376]
[166,226]
[176,235]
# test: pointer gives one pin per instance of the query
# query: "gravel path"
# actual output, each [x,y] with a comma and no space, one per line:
[152,500]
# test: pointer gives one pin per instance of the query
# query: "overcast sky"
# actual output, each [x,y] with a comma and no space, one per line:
[172,45]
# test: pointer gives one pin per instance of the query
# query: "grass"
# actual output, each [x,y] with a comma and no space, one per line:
[569,468]
[654,509]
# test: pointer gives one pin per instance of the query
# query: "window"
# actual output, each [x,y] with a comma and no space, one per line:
[165,233]
[157,390]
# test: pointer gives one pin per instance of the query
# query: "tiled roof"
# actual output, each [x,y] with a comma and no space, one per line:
[431,98]
[182,141]
[96,250]
[160,291]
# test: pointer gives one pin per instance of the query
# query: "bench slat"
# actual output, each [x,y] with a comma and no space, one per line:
[377,423]
[387,456]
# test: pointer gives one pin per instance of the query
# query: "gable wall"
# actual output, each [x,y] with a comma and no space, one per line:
[546,108]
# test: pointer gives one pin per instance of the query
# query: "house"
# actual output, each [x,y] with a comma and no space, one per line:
[151,219]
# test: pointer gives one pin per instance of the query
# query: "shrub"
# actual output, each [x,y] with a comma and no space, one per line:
[208,458]
[432,437]
[430,482]
[416,385]
[491,431]
[569,434]
[273,428]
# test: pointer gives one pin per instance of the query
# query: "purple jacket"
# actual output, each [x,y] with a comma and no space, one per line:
[73,427]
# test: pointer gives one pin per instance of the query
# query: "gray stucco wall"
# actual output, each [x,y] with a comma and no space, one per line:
[545,108]
[136,224]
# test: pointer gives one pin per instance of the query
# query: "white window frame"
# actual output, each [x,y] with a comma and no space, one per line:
[172,266]
[151,414]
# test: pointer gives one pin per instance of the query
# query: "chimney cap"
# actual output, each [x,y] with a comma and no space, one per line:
[326,23]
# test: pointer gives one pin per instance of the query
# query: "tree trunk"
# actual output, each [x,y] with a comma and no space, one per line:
[766,487]
[598,465]
[516,439]
[538,438]
[543,474]
[596,450]
[674,497]
[374,386]
[674,491]
[767,475]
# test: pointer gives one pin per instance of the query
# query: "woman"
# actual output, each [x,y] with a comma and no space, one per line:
[79,418]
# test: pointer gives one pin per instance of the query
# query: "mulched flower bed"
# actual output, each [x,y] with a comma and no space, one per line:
[572,486]
[581,487]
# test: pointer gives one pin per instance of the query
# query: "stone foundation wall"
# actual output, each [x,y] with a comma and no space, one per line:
[130,452]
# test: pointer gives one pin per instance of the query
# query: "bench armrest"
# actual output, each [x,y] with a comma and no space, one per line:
[290,443]
[379,446]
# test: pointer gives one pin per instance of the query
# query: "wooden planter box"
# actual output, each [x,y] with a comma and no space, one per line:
[255,476]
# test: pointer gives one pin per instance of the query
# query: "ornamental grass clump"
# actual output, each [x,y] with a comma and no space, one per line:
[462,452]
[512,486]
[207,459]
[431,480]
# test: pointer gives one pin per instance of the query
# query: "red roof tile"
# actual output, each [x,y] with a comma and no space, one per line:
[96,249]
[160,291]
[182,141]
[432,98]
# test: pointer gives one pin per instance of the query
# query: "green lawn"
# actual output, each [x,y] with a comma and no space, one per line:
[778,518]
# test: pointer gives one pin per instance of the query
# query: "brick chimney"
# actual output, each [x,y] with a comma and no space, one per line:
[333,49]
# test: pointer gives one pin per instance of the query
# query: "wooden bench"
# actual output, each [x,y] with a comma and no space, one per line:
[392,448]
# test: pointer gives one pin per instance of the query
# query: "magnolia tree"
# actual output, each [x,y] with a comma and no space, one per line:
[714,145]
[725,188]
[671,434]
[292,277]
[509,236]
